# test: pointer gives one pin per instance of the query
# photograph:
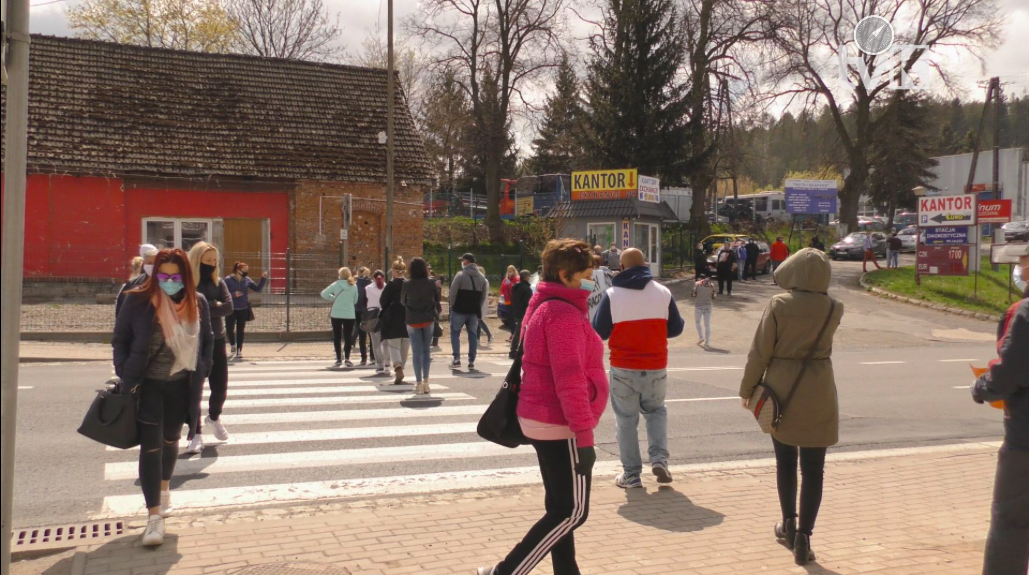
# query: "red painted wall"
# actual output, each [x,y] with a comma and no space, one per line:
[86,227]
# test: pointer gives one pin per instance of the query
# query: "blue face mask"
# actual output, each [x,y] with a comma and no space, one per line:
[587,285]
[171,287]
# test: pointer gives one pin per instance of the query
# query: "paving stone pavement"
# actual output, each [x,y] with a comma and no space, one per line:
[910,512]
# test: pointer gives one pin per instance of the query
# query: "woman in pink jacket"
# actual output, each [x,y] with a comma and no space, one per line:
[564,392]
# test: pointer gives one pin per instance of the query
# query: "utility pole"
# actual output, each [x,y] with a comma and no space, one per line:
[13,251]
[390,88]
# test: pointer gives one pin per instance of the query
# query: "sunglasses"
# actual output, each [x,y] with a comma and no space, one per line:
[169,278]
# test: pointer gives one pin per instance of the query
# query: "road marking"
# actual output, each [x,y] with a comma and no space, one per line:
[435,483]
[354,415]
[337,434]
[234,383]
[882,362]
[957,360]
[701,399]
[382,398]
[317,390]
[678,369]
[299,371]
[26,387]
[322,459]
[961,386]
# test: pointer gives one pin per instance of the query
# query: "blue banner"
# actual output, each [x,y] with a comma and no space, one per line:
[947,236]
[811,197]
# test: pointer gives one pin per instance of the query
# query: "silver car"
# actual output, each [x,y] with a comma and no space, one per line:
[909,238]
[1016,231]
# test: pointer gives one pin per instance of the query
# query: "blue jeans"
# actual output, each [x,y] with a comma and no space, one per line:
[459,321]
[892,259]
[421,350]
[633,393]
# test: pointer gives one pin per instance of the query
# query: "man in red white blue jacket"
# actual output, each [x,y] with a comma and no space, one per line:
[637,316]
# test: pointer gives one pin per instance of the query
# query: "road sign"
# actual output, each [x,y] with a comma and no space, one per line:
[949,236]
[994,211]
[605,185]
[811,197]
[650,189]
[524,206]
[943,260]
[344,234]
[947,211]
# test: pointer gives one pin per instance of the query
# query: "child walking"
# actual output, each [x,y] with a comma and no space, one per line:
[703,301]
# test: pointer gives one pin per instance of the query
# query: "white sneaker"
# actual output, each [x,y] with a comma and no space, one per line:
[196,445]
[165,504]
[153,536]
[219,430]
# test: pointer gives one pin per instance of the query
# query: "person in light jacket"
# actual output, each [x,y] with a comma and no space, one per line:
[420,298]
[468,292]
[564,392]
[810,423]
[393,321]
[343,294]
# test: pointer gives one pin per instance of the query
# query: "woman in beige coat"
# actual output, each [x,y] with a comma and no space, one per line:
[810,423]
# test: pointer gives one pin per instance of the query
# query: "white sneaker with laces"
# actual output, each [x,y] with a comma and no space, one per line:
[153,535]
[196,445]
[166,504]
[219,430]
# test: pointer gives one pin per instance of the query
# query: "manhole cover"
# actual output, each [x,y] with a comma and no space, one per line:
[292,569]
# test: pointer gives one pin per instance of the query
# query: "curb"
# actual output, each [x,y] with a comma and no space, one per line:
[920,303]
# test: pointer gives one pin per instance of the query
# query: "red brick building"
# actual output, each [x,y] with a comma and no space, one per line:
[131,145]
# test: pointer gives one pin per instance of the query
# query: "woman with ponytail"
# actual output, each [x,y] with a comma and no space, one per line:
[394,320]
[163,349]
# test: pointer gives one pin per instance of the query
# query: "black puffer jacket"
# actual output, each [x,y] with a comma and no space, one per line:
[131,342]
[420,299]
[1008,377]
[395,326]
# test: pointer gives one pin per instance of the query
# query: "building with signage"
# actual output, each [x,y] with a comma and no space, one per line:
[131,145]
[617,207]
[951,177]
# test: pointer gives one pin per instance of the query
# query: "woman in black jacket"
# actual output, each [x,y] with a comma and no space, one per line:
[393,322]
[420,299]
[163,348]
[204,260]
[363,281]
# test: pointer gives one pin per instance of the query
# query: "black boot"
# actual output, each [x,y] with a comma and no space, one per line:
[786,532]
[802,552]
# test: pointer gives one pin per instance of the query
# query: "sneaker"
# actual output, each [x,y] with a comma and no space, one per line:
[471,366]
[364,362]
[153,535]
[219,429]
[485,571]
[165,504]
[660,469]
[196,445]
[456,364]
[425,387]
[338,364]
[398,378]
[629,481]
[348,363]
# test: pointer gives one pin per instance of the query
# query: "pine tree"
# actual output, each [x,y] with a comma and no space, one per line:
[637,108]
[557,148]
[900,157]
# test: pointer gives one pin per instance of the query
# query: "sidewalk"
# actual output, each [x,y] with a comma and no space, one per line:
[900,512]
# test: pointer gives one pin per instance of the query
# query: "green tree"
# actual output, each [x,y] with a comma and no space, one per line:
[445,127]
[899,157]
[194,25]
[557,149]
[637,107]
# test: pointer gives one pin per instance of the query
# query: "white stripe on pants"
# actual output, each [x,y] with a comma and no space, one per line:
[704,313]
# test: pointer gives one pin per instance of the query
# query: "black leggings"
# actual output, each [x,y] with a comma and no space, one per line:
[163,408]
[343,331]
[218,382]
[567,503]
[236,327]
[812,466]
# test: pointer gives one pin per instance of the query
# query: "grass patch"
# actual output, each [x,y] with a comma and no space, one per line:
[952,291]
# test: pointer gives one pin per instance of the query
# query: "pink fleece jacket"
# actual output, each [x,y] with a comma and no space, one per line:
[563,377]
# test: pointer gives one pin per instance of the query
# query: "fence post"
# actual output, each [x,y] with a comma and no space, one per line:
[289,284]
[521,255]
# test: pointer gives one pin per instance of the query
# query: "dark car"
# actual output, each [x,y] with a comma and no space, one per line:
[853,246]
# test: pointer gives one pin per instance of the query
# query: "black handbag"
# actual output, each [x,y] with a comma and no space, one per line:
[370,320]
[111,419]
[499,424]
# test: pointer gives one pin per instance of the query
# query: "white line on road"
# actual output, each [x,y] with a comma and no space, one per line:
[321,459]
[383,398]
[882,362]
[701,399]
[337,434]
[26,386]
[354,415]
[957,360]
[314,390]
[233,382]
[678,369]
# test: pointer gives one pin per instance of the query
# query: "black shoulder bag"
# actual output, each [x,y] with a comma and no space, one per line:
[111,419]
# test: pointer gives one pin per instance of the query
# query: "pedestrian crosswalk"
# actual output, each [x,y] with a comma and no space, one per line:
[301,432]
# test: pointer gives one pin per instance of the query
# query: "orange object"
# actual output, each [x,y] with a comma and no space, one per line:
[978,372]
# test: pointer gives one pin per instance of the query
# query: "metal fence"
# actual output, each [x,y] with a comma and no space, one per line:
[677,246]
[446,262]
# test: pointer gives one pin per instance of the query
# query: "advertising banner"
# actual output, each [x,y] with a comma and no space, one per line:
[605,185]
[994,211]
[947,211]
[943,260]
[811,197]
[950,236]
[650,189]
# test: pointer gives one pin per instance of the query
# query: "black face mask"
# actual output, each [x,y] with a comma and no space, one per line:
[244,274]
[205,272]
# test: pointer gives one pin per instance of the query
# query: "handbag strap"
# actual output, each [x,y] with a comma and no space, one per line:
[810,356]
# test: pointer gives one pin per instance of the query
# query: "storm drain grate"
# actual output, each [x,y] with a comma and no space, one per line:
[292,569]
[65,536]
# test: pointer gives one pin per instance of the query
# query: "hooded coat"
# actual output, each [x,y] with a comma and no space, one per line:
[784,337]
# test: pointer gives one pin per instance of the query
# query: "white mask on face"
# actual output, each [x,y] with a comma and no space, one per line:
[1018,276]
[148,269]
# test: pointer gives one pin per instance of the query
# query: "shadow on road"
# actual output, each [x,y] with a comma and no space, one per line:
[667,509]
[127,548]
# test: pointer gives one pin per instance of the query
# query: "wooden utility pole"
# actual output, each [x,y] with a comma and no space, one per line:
[390,92]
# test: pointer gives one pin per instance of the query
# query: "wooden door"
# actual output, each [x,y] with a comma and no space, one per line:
[244,241]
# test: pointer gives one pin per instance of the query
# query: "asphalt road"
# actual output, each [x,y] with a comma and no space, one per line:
[897,370]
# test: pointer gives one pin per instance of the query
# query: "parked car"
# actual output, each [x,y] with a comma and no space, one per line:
[909,237]
[1016,231]
[715,243]
[853,246]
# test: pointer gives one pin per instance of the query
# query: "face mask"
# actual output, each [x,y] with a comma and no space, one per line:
[587,285]
[244,274]
[148,269]
[171,287]
[206,271]
[1018,277]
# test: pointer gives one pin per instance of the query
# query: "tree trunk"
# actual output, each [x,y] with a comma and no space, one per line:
[850,195]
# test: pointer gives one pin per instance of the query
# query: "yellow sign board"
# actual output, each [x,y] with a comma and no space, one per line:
[524,206]
[605,184]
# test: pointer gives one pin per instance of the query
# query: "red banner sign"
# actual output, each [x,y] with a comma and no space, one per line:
[994,211]
[943,260]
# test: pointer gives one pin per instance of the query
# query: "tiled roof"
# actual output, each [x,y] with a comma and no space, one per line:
[105,108]
[627,208]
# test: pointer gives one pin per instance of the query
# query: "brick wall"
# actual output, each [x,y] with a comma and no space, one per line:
[367,240]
